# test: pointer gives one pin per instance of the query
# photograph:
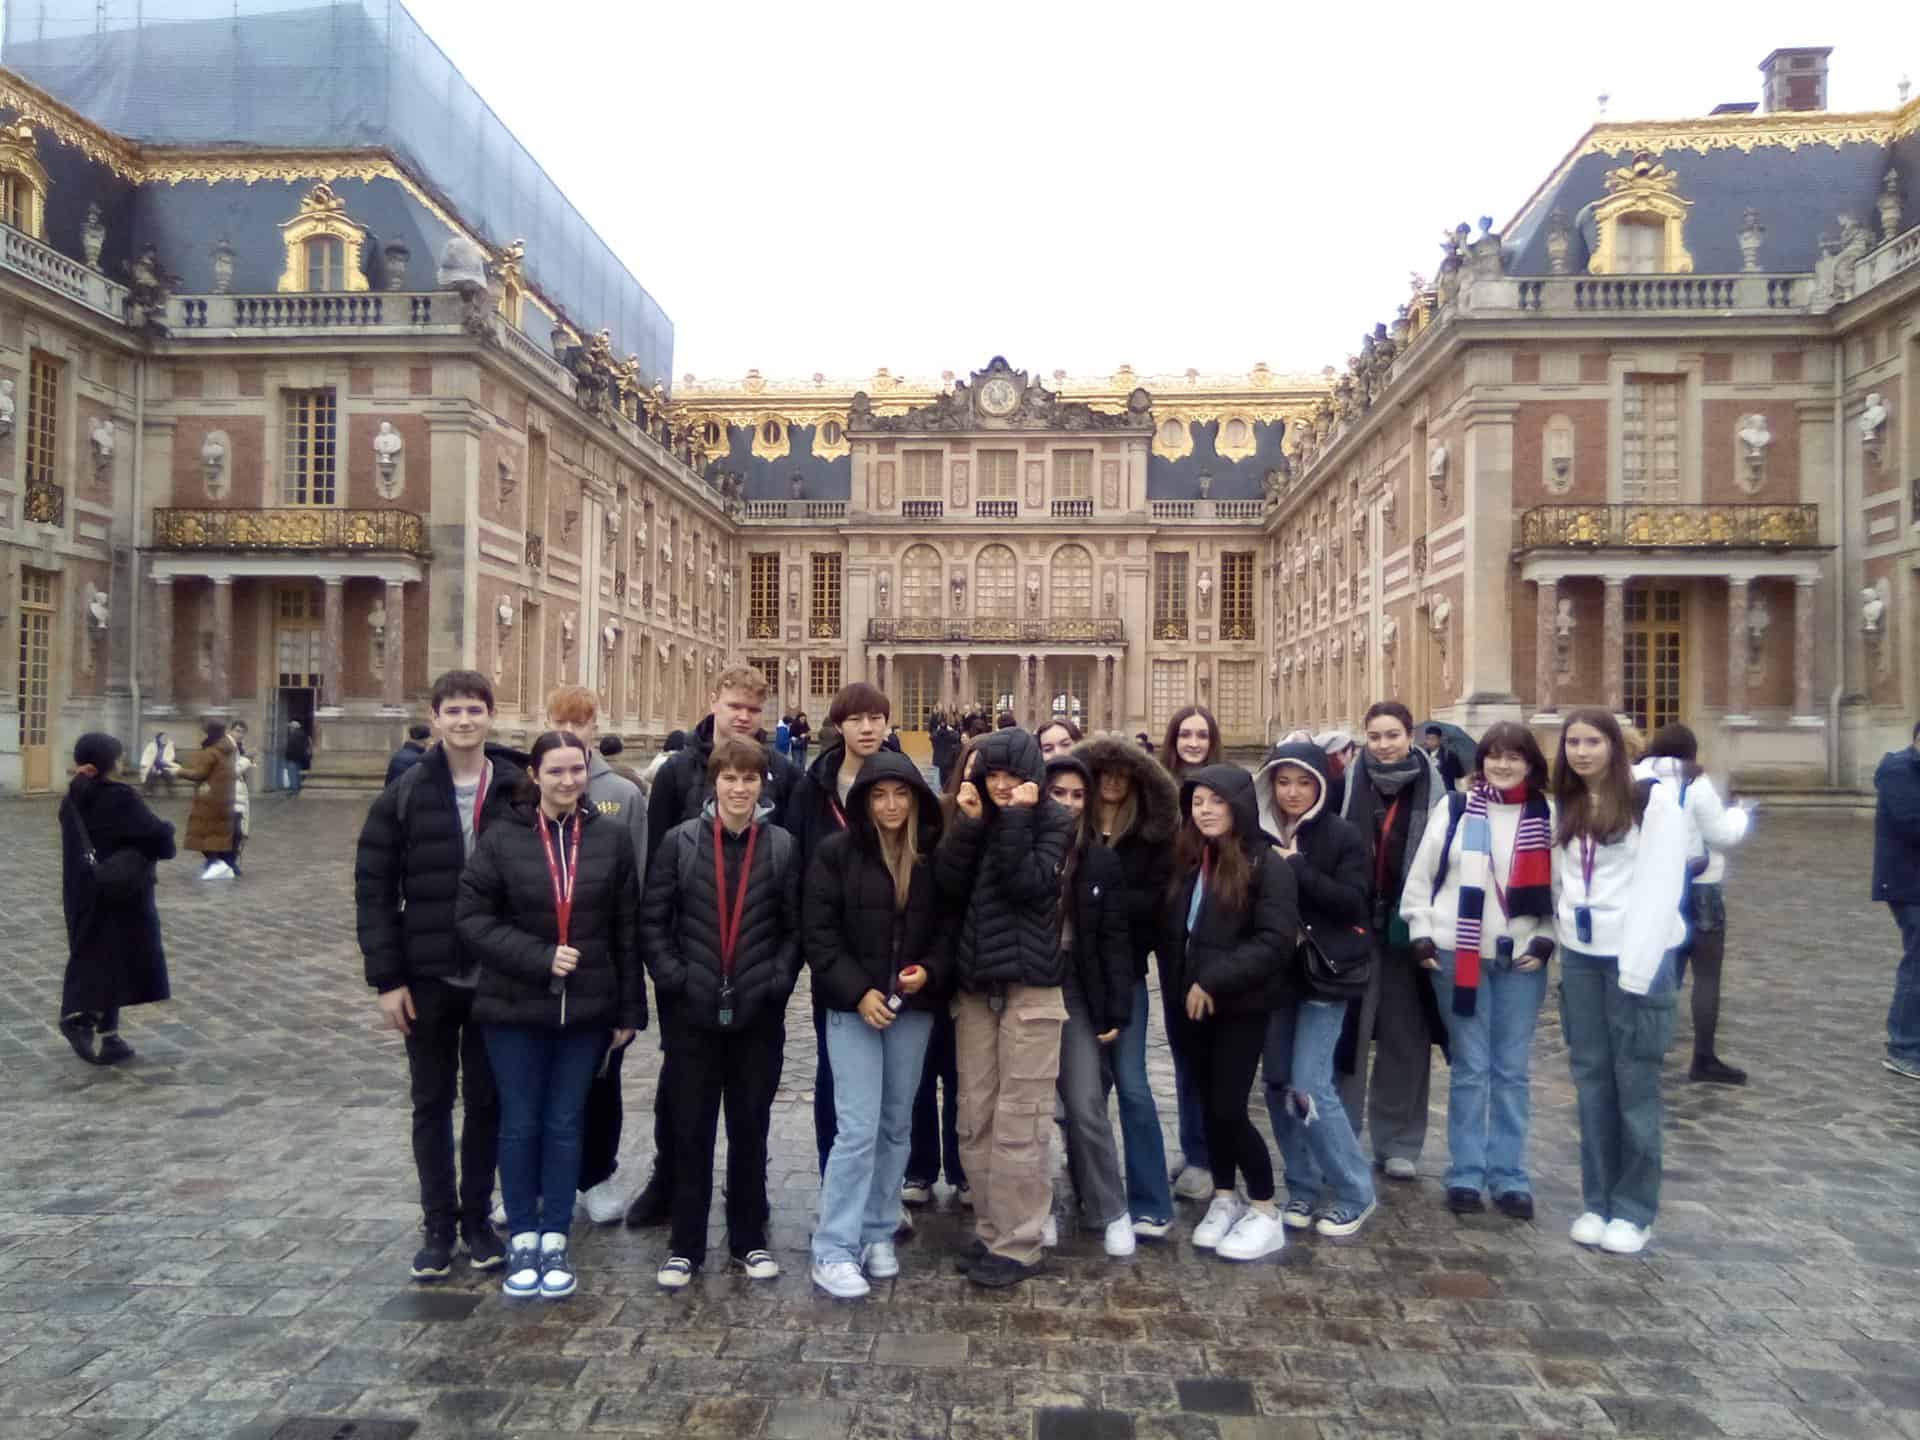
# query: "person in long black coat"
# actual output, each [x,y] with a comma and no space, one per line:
[114,957]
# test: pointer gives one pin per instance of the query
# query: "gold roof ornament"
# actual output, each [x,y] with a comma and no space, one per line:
[1643,192]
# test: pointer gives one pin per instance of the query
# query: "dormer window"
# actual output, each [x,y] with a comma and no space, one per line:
[23,183]
[324,247]
[1640,245]
[1642,224]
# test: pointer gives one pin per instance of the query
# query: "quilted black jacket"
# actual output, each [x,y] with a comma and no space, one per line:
[855,938]
[682,788]
[506,920]
[680,922]
[1002,871]
[1145,852]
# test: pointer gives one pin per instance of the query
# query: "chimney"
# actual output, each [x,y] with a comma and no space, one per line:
[1795,79]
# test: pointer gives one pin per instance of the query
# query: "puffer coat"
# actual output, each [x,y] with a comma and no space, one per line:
[215,770]
[1002,871]
[1145,852]
[856,938]
[680,921]
[1243,958]
[506,920]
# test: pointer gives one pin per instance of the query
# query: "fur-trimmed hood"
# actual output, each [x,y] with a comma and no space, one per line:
[1156,799]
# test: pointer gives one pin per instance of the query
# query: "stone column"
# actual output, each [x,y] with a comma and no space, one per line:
[160,688]
[966,681]
[1737,651]
[396,643]
[1803,647]
[1545,637]
[333,646]
[222,681]
[881,667]
[1613,643]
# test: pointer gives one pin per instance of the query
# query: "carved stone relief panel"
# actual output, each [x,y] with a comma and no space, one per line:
[884,496]
[960,483]
[1110,484]
[1556,455]
[1036,483]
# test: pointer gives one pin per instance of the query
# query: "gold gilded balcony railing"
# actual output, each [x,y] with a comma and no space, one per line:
[990,629]
[292,530]
[1692,527]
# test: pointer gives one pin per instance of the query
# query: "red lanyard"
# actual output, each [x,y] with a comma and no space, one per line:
[838,813]
[1380,849]
[562,891]
[730,929]
[480,795]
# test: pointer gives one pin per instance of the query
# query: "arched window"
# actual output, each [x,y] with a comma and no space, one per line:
[324,246]
[995,584]
[920,583]
[1072,582]
[23,182]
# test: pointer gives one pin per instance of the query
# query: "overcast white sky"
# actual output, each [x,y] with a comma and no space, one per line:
[838,186]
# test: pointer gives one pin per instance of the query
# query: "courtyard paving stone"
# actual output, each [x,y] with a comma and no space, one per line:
[211,1242]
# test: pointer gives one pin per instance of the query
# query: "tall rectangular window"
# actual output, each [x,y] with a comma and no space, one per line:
[310,422]
[1170,595]
[1073,474]
[43,417]
[826,596]
[1639,246]
[1234,695]
[326,257]
[1169,692]
[769,668]
[920,474]
[1236,595]
[1650,439]
[823,676]
[1652,656]
[998,473]
[763,595]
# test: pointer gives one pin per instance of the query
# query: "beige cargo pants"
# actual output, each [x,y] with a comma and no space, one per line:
[1009,1063]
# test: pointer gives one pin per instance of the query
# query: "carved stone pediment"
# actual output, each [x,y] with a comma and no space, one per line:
[1000,398]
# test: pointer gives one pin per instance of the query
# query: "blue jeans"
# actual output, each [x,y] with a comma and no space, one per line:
[1903,1015]
[543,1076]
[876,1074]
[1489,1101]
[1615,1045]
[1149,1190]
[1318,1148]
[1189,1098]
[296,777]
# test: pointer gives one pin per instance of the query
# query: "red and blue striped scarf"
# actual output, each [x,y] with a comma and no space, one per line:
[1529,888]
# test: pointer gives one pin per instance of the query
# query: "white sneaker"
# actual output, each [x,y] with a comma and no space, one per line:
[880,1260]
[675,1274]
[1623,1237]
[1193,1183]
[1221,1216]
[1050,1234]
[1589,1229]
[218,870]
[759,1264]
[914,1193]
[842,1280]
[1152,1228]
[606,1202]
[1399,1167]
[1119,1237]
[1253,1235]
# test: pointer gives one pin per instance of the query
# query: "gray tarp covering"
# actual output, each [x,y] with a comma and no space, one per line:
[354,73]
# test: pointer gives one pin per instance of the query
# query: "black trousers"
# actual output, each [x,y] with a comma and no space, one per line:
[1225,1052]
[738,1071]
[826,1120]
[600,1131]
[663,1140]
[446,1054]
[936,1137]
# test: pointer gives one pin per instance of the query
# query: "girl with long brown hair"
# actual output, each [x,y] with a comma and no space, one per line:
[1622,855]
[1192,740]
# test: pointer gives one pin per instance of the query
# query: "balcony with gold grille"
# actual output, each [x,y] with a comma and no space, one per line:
[1663,527]
[292,530]
[986,629]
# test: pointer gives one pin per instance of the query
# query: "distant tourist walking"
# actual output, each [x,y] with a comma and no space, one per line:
[1896,880]
[109,841]
[157,762]
[298,757]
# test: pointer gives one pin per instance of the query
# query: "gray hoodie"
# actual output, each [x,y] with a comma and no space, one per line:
[620,800]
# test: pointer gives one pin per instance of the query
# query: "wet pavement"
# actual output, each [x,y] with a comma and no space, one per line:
[212,1241]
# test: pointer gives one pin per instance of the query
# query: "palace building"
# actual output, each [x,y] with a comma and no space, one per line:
[303,402]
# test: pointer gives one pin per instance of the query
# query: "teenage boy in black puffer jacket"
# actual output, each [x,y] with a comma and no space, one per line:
[1000,863]
[722,938]
[406,879]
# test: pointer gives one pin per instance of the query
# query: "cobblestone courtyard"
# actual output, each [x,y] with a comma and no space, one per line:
[213,1240]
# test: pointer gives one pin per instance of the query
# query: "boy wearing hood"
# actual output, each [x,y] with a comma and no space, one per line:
[999,866]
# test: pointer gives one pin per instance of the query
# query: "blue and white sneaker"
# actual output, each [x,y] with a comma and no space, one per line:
[556,1273]
[523,1268]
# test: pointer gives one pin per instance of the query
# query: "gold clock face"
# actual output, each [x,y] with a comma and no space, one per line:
[998,397]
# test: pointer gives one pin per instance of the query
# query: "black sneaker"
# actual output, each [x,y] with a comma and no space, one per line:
[434,1259]
[1712,1070]
[78,1028]
[113,1049]
[975,1252]
[1515,1205]
[997,1272]
[484,1250]
[1462,1201]
[652,1206]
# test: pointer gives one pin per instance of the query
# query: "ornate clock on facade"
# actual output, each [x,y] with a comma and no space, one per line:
[999,397]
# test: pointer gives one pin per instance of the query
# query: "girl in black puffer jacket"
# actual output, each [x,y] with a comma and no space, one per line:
[877,944]
[547,907]
[721,928]
[1225,962]
[999,864]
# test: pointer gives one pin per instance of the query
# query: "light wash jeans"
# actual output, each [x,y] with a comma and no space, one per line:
[1149,1190]
[1322,1157]
[875,1075]
[1615,1045]
[1489,1101]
